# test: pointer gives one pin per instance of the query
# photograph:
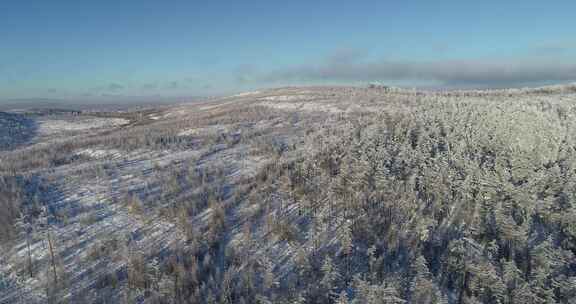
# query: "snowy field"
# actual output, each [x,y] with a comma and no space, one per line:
[55,126]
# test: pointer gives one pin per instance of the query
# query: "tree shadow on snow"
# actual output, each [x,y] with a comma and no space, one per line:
[16,130]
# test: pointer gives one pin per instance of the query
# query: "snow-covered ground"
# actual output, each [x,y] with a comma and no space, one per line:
[52,126]
[96,211]
[245,94]
[96,208]
[303,106]
[204,130]
[288,98]
[100,153]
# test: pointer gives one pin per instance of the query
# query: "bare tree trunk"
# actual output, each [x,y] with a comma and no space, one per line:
[51,248]
[176,297]
[29,256]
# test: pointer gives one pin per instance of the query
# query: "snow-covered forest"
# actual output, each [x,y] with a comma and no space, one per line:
[295,195]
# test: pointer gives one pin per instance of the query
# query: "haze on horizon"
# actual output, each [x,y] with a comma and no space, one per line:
[111,50]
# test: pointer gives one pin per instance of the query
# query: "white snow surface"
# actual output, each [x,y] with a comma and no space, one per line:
[55,126]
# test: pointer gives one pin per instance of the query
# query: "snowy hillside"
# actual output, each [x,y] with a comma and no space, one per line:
[295,195]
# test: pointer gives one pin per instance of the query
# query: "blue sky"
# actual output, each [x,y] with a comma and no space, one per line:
[105,49]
